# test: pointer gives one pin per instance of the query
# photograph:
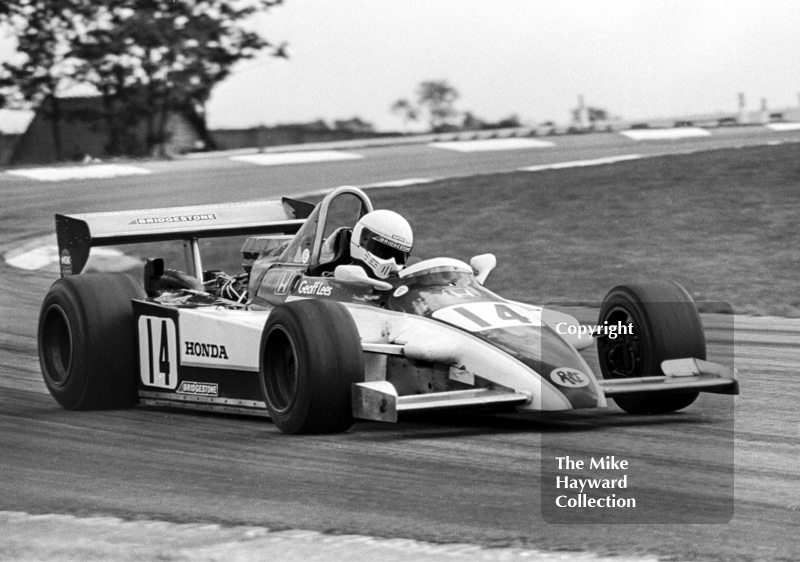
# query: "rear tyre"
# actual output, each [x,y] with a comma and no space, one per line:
[666,325]
[87,341]
[310,356]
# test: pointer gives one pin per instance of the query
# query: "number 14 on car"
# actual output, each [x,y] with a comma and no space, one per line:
[157,352]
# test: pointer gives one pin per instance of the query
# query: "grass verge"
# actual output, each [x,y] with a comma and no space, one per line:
[722,223]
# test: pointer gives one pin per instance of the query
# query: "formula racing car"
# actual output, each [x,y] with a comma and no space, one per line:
[305,336]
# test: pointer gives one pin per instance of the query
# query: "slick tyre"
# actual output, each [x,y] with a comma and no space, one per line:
[310,356]
[87,341]
[666,325]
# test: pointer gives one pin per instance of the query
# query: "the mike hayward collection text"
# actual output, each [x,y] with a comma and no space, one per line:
[589,492]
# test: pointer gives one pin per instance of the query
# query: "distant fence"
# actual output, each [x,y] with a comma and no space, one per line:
[264,137]
[270,138]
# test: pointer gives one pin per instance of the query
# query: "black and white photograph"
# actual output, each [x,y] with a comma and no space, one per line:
[399,280]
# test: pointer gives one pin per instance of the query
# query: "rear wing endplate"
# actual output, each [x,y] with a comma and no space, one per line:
[77,234]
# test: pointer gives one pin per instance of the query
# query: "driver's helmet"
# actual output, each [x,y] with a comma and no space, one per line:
[381,241]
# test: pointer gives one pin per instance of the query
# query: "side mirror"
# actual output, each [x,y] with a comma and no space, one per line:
[356,274]
[483,265]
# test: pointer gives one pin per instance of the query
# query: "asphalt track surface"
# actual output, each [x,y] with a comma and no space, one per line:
[469,478]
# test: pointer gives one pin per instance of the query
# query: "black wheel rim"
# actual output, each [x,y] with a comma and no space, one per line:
[56,345]
[282,374]
[621,357]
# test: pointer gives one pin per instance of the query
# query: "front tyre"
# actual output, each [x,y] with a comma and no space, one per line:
[666,325]
[310,356]
[87,341]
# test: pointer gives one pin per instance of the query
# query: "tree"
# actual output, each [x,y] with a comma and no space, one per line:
[472,122]
[438,98]
[45,31]
[406,110]
[510,122]
[147,58]
[354,125]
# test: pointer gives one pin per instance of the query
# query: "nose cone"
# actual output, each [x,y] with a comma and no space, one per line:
[566,380]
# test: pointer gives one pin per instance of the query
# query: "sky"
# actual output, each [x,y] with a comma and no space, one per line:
[635,59]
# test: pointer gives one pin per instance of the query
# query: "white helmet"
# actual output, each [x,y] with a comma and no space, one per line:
[382,241]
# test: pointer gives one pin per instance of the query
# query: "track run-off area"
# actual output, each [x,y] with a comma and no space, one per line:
[159,484]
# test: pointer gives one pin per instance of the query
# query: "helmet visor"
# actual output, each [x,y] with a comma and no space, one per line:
[384,248]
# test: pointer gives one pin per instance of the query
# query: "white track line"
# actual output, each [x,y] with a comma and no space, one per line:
[35,259]
[492,145]
[283,158]
[377,185]
[34,253]
[65,537]
[398,183]
[581,163]
[91,171]
[783,127]
[665,134]
[42,254]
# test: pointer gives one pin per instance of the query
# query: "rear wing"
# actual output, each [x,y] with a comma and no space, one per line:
[77,234]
